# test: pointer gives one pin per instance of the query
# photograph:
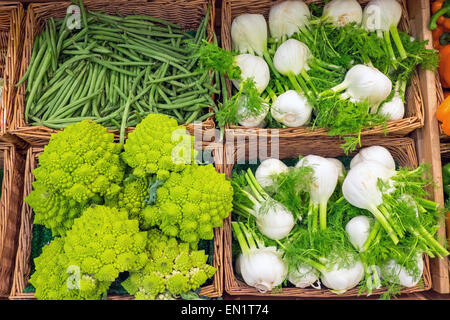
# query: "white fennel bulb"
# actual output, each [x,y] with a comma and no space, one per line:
[394,109]
[273,219]
[342,12]
[261,267]
[363,83]
[360,189]
[325,179]
[340,167]
[340,279]
[377,154]
[251,120]
[252,67]
[381,15]
[291,109]
[268,170]
[287,18]
[291,57]
[249,33]
[358,230]
[396,273]
[304,276]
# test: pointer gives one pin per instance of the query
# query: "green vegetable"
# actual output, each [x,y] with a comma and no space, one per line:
[158,146]
[115,70]
[172,269]
[190,204]
[446,178]
[102,243]
[79,167]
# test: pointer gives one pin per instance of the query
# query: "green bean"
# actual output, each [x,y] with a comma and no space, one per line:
[71,107]
[181,105]
[192,116]
[37,64]
[112,67]
[36,85]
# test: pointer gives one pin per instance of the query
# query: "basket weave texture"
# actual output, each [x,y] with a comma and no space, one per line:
[12,18]
[12,164]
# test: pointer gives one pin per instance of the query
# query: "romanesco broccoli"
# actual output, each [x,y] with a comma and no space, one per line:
[132,197]
[80,164]
[53,210]
[190,204]
[173,269]
[158,146]
[102,243]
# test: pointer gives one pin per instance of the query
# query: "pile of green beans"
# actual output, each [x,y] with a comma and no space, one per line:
[115,70]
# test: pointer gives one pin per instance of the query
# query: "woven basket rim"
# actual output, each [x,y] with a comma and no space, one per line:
[34,17]
[403,150]
[414,97]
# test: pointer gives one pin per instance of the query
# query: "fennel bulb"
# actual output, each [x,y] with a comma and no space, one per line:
[358,230]
[268,170]
[304,276]
[340,167]
[360,189]
[273,219]
[362,83]
[261,267]
[378,154]
[291,109]
[291,60]
[249,33]
[325,179]
[340,279]
[251,120]
[287,18]
[383,17]
[342,12]
[252,67]
[394,272]
[395,109]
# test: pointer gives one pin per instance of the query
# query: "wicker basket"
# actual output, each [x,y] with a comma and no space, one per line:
[25,234]
[403,151]
[11,46]
[12,164]
[414,117]
[187,13]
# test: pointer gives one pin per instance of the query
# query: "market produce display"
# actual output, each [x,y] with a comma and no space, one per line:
[340,67]
[116,70]
[109,220]
[320,224]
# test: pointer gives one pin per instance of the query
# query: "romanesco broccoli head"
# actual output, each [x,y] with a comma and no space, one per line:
[105,242]
[190,204]
[56,279]
[173,269]
[82,162]
[158,146]
[53,210]
[102,243]
[132,197]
